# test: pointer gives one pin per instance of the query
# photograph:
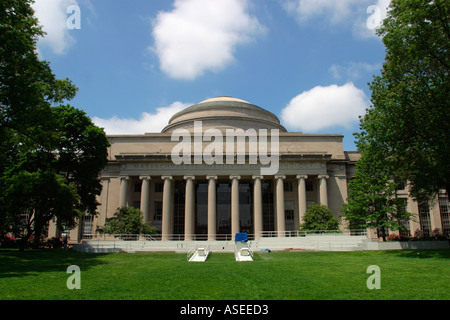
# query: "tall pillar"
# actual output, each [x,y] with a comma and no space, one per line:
[123,191]
[166,225]
[257,205]
[145,195]
[104,200]
[235,226]
[212,224]
[281,224]
[301,197]
[323,195]
[189,209]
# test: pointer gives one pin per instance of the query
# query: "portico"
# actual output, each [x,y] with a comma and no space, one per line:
[216,207]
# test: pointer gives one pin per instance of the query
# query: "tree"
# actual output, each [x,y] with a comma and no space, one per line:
[319,217]
[57,180]
[127,220]
[51,156]
[82,150]
[34,198]
[372,201]
[409,121]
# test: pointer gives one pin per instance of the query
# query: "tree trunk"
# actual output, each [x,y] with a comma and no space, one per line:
[22,244]
[37,238]
[383,233]
[24,240]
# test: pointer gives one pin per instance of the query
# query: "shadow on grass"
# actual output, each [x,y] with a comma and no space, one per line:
[32,262]
[422,254]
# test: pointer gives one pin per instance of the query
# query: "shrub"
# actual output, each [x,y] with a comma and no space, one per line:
[394,237]
[436,234]
[54,243]
[9,241]
[419,235]
[319,217]
[127,220]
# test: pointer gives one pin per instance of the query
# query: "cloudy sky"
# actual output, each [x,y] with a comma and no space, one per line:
[138,62]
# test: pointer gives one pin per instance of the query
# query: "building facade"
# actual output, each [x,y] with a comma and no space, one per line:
[225,166]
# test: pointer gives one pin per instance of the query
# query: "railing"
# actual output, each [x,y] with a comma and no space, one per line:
[192,251]
[303,233]
[239,246]
[157,237]
[121,237]
[220,237]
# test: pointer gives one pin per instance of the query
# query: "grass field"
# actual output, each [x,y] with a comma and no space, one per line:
[419,275]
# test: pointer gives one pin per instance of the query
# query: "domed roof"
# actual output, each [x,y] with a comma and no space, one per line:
[224,98]
[224,113]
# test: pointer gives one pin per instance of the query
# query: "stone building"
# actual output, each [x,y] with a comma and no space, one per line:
[224,166]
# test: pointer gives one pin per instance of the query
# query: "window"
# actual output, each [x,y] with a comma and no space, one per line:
[159,187]
[223,208]
[268,209]
[405,222]
[401,184]
[382,232]
[137,186]
[424,218]
[158,211]
[65,232]
[289,215]
[444,208]
[87,222]
[309,186]
[287,186]
[25,217]
[406,232]
[201,210]
[245,207]
[179,199]
[157,216]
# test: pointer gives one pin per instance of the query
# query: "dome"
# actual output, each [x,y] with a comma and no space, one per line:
[224,113]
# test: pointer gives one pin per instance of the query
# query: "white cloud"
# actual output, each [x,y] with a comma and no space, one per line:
[324,107]
[363,16]
[366,27]
[52,15]
[353,70]
[201,35]
[147,123]
[334,11]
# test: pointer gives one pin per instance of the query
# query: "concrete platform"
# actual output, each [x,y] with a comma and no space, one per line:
[308,242]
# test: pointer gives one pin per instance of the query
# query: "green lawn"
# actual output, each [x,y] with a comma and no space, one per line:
[271,276]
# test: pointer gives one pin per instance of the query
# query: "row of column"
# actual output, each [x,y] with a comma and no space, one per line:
[167,218]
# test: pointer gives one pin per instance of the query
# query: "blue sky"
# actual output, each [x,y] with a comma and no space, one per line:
[138,62]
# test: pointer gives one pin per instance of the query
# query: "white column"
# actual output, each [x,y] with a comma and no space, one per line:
[123,191]
[189,208]
[212,226]
[166,224]
[104,200]
[235,226]
[281,224]
[301,196]
[323,195]
[145,196]
[257,205]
